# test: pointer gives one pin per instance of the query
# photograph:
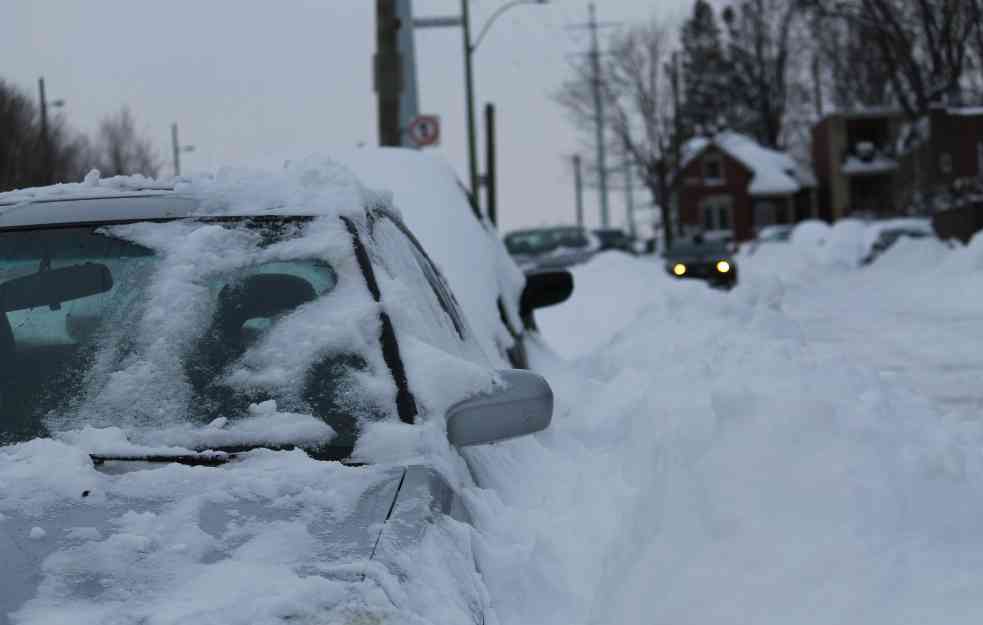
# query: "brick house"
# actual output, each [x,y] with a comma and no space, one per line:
[873,163]
[729,186]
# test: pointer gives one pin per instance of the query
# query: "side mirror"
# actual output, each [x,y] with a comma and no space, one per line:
[524,405]
[545,288]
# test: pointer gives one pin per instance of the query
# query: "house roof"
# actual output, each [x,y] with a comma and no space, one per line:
[774,172]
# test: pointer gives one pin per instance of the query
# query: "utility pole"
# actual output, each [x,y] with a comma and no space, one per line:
[388,72]
[817,87]
[491,169]
[677,127]
[599,118]
[579,189]
[45,143]
[629,199]
[469,98]
[175,150]
[409,102]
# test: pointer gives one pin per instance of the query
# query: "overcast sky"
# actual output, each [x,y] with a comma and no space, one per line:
[244,78]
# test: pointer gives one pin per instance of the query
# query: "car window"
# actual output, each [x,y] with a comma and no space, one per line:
[414,294]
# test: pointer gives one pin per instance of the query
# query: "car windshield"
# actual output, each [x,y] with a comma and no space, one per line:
[162,325]
[545,240]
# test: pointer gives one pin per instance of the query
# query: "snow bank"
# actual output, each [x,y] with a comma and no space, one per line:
[770,455]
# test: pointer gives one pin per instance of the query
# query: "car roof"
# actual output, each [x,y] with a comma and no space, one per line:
[97,209]
[311,187]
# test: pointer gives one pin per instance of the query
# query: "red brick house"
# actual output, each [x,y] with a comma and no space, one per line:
[729,186]
[873,163]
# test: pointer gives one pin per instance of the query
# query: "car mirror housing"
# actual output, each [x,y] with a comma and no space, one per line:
[522,405]
[545,288]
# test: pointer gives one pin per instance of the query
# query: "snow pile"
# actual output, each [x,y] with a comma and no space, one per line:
[767,455]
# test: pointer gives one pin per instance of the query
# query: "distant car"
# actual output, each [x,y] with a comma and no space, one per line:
[710,261]
[888,237]
[768,235]
[615,239]
[551,248]
[226,391]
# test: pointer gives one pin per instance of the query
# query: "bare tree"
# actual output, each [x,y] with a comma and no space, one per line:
[637,105]
[120,149]
[926,46]
[760,37]
[21,163]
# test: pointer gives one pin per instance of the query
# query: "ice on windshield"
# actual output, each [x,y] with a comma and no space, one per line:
[201,322]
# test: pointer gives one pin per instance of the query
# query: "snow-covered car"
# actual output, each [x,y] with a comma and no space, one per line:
[465,246]
[238,399]
[615,239]
[706,260]
[552,248]
[767,235]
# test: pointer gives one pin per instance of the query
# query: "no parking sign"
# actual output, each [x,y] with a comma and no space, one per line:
[424,130]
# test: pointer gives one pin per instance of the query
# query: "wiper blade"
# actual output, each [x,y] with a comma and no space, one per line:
[201,459]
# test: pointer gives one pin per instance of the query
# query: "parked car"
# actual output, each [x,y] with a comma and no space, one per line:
[701,259]
[888,237]
[225,398]
[551,248]
[780,233]
[615,239]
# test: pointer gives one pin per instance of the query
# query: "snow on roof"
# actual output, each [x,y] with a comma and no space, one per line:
[315,185]
[966,110]
[774,172]
[855,166]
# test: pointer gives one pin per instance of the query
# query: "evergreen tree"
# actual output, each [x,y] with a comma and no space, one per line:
[705,73]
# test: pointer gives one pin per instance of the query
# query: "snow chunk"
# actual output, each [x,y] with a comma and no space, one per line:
[37,533]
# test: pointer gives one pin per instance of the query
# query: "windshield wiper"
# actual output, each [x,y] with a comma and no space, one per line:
[201,459]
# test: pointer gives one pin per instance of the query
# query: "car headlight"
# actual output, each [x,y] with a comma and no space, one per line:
[679,269]
[723,266]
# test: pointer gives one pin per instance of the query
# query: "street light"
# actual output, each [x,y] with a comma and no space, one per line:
[469,49]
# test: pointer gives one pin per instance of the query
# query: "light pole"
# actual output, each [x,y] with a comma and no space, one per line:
[177,148]
[469,49]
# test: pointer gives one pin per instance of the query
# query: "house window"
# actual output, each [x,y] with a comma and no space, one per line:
[718,212]
[713,169]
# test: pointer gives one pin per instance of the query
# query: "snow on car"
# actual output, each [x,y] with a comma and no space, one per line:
[238,399]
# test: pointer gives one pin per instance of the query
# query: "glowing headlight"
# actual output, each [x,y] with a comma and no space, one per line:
[679,269]
[723,266]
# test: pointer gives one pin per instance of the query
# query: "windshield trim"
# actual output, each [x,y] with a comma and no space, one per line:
[160,220]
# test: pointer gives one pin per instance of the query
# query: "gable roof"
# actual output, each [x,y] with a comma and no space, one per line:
[773,172]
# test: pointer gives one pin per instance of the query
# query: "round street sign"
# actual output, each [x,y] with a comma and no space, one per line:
[424,130]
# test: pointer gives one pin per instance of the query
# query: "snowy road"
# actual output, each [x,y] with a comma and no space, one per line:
[804,449]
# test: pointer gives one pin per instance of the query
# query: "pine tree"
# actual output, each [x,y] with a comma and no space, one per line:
[704,106]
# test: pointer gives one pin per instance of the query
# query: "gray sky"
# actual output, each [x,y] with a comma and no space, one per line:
[244,78]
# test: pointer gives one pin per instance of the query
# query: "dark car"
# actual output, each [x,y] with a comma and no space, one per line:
[615,239]
[704,260]
[889,237]
[551,248]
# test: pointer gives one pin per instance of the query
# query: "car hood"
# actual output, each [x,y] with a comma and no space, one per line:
[272,536]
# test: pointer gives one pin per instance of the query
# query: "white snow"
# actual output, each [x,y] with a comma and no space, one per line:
[803,449]
[855,166]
